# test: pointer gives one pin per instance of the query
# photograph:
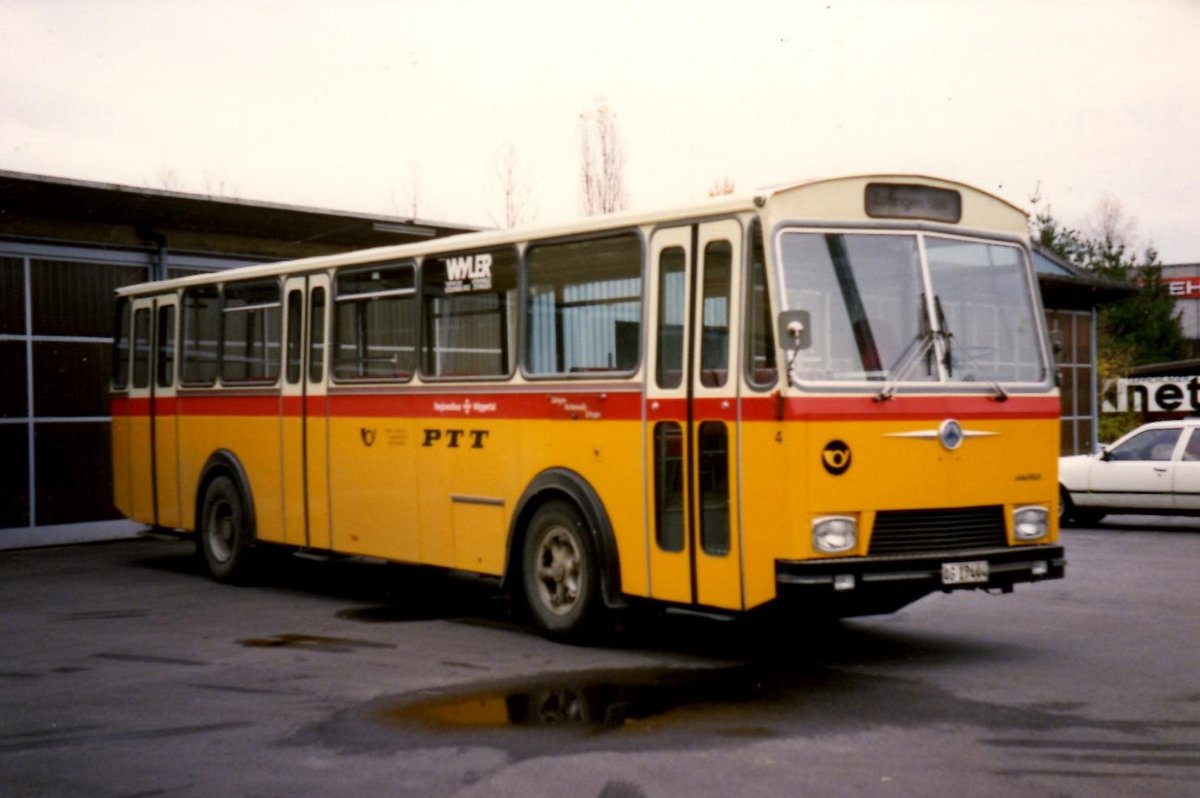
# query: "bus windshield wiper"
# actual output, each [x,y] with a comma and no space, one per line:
[947,336]
[917,349]
[979,371]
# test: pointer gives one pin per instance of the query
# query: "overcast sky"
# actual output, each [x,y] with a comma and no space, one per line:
[366,106]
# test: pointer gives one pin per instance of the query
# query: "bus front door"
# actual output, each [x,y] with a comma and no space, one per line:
[691,416]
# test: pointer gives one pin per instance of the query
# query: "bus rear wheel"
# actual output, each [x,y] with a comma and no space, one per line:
[225,538]
[560,573]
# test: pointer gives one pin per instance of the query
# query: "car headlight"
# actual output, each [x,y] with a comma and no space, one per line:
[1031,523]
[835,533]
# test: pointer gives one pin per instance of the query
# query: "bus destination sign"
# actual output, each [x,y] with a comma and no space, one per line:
[899,201]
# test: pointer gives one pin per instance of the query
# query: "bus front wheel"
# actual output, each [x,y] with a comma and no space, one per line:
[560,573]
[225,537]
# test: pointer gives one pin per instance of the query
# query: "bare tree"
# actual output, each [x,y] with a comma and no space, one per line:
[165,177]
[602,161]
[1109,224]
[216,184]
[721,187]
[510,179]
[407,203]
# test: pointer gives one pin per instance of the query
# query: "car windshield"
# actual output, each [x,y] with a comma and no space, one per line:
[911,308]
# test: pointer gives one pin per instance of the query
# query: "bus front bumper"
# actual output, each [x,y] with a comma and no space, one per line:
[919,574]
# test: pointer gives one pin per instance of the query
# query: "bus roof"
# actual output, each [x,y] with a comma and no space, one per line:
[824,200]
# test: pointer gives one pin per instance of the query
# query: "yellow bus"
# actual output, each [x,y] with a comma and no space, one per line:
[837,393]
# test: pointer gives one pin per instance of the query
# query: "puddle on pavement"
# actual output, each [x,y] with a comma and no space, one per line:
[332,645]
[585,701]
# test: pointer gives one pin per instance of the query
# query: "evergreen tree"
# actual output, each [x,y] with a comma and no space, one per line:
[1139,330]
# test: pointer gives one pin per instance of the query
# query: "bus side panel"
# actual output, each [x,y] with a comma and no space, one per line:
[372,485]
[767,482]
[291,470]
[608,454]
[320,523]
[254,441]
[121,458]
[141,494]
[166,463]
[480,485]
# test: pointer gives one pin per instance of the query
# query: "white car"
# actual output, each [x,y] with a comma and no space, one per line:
[1155,469]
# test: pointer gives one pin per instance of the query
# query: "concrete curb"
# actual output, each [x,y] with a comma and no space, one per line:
[69,534]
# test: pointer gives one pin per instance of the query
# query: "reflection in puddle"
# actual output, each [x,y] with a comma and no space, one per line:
[595,700]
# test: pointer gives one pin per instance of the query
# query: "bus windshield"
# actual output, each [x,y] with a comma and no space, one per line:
[893,308]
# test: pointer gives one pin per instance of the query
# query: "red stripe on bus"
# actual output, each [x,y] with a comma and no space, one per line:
[621,406]
[913,408]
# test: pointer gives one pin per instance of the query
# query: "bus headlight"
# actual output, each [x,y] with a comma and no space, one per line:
[835,533]
[1031,523]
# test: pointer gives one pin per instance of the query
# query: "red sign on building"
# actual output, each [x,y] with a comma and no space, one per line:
[1183,287]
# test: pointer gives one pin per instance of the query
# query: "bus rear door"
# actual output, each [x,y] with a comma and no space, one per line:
[304,415]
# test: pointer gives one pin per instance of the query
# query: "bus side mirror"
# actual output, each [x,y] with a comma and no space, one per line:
[795,330]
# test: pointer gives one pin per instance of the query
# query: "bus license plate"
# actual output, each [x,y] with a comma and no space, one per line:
[964,573]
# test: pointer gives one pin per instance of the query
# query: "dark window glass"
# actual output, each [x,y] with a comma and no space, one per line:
[12,296]
[70,378]
[760,332]
[316,336]
[74,472]
[672,282]
[120,375]
[165,366]
[714,487]
[76,298]
[469,302]
[584,309]
[201,335]
[13,398]
[141,348]
[668,486]
[14,473]
[250,332]
[295,335]
[375,324]
[714,344]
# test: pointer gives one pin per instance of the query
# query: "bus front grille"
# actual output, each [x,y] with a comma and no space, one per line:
[956,529]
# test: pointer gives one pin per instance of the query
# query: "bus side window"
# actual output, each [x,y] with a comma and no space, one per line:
[671,309]
[141,348]
[316,336]
[374,324]
[584,306]
[120,376]
[714,343]
[165,365]
[760,332]
[468,314]
[201,334]
[250,345]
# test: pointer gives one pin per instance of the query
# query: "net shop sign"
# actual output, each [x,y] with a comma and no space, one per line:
[1153,395]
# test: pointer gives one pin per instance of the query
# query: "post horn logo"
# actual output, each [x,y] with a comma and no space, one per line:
[836,457]
[368,436]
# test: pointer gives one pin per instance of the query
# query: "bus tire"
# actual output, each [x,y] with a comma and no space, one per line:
[560,573]
[226,538]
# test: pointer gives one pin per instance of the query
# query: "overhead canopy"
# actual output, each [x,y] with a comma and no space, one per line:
[1065,287]
[34,206]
